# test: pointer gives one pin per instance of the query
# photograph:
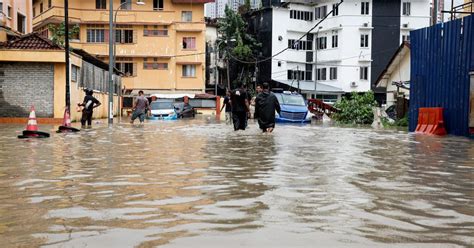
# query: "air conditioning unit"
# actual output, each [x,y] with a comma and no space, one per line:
[353,84]
[366,24]
[405,25]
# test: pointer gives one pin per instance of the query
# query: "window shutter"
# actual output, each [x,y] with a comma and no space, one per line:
[135,67]
[145,32]
[135,32]
[106,34]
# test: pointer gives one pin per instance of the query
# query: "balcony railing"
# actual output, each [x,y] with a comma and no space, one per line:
[93,16]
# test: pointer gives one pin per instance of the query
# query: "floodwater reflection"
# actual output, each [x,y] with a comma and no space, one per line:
[198,183]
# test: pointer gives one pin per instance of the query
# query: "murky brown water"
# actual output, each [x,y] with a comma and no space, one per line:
[197,183]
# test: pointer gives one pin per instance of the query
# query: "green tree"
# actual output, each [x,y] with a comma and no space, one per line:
[356,109]
[58,32]
[236,44]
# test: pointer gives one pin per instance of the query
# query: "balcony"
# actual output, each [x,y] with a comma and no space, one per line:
[190,27]
[93,16]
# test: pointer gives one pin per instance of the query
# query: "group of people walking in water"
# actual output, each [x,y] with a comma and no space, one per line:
[237,104]
[237,107]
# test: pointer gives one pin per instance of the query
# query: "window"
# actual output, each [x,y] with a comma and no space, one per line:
[332,73]
[21,23]
[321,74]
[153,64]
[9,11]
[320,12]
[34,10]
[364,73]
[321,43]
[296,75]
[49,4]
[189,42]
[364,8]
[364,40]
[335,40]
[187,16]
[189,70]
[158,4]
[335,10]
[41,8]
[74,73]
[101,4]
[155,30]
[126,66]
[96,34]
[405,38]
[309,72]
[301,15]
[406,8]
[300,45]
[124,34]
[128,4]
[1,7]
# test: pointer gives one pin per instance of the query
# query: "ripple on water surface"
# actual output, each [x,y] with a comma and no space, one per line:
[196,183]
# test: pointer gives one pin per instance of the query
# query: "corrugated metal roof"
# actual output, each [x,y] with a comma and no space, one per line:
[309,86]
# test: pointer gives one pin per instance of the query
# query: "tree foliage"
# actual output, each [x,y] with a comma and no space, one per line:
[356,109]
[234,37]
[58,32]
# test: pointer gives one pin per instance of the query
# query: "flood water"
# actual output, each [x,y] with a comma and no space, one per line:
[197,183]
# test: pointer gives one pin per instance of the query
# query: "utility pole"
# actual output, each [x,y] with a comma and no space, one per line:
[111,62]
[298,77]
[66,52]
[316,65]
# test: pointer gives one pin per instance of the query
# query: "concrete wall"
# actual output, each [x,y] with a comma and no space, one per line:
[25,84]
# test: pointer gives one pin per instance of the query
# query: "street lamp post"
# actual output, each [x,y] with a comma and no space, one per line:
[316,64]
[66,52]
[112,46]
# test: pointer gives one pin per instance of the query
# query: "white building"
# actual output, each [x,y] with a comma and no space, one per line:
[353,44]
[217,8]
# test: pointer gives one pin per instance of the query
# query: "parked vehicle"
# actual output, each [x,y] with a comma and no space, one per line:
[293,108]
[163,109]
[184,110]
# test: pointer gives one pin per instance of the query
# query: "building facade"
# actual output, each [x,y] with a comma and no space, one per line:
[160,46]
[15,18]
[346,52]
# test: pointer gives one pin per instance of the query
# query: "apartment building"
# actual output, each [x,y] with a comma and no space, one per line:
[345,53]
[15,18]
[217,8]
[160,45]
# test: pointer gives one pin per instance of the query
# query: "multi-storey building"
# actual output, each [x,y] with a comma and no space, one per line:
[160,46]
[217,8]
[15,18]
[353,45]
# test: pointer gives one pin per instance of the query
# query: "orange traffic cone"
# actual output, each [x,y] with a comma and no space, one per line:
[32,123]
[32,127]
[66,127]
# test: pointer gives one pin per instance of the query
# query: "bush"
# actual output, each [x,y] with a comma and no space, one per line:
[356,109]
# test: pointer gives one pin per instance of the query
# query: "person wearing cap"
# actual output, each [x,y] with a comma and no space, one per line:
[89,104]
[140,107]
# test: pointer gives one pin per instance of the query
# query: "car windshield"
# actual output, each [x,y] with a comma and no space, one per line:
[161,105]
[286,99]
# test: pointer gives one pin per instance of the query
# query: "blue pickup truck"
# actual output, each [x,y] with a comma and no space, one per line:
[293,108]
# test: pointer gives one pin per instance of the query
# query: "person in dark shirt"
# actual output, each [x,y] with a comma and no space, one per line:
[240,108]
[228,108]
[265,106]
[89,104]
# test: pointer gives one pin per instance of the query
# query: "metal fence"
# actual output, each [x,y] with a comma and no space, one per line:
[93,77]
[441,58]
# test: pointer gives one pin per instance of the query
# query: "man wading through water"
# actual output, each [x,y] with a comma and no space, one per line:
[266,104]
[89,104]
[240,108]
[140,107]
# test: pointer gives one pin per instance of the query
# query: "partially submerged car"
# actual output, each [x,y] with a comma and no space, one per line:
[293,108]
[163,109]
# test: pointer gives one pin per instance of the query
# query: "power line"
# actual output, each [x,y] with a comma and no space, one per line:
[282,51]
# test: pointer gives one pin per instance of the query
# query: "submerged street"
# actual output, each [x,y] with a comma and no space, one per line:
[197,183]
